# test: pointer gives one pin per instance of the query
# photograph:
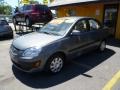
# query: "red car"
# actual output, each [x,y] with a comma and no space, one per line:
[33,13]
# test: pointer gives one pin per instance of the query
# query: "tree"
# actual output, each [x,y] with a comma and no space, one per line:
[8,10]
[5,9]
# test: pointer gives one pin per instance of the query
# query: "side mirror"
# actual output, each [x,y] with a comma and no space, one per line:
[75,33]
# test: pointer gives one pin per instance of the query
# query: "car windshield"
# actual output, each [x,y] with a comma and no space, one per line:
[57,26]
[3,22]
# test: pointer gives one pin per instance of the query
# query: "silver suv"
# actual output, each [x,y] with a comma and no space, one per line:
[58,41]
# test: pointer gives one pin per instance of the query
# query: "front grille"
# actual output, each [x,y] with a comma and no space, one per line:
[22,66]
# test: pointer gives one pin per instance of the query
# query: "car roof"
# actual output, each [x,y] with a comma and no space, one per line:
[76,17]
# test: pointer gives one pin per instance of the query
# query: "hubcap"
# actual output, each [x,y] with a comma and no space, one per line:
[27,21]
[56,64]
[102,47]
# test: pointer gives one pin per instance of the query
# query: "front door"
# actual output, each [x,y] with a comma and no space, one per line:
[110,17]
[79,38]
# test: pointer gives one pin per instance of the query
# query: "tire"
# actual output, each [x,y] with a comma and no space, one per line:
[11,36]
[102,46]
[28,22]
[15,21]
[55,64]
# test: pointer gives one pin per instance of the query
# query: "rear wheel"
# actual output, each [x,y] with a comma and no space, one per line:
[28,21]
[102,46]
[55,63]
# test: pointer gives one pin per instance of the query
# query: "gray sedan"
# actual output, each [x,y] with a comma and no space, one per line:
[58,41]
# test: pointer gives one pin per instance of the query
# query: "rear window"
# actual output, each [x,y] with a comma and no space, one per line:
[42,7]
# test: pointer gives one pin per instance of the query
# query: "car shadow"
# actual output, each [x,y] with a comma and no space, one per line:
[74,68]
[113,42]
[5,38]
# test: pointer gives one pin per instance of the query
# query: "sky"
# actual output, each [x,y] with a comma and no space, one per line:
[14,3]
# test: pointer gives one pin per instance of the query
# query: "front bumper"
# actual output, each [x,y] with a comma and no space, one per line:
[6,34]
[27,65]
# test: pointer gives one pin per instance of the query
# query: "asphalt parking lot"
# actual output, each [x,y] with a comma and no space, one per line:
[90,71]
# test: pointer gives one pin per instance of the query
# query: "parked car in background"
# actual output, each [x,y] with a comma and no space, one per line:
[5,29]
[59,40]
[33,13]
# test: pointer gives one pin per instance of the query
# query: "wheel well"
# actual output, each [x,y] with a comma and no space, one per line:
[60,53]
[26,17]
[103,40]
[57,53]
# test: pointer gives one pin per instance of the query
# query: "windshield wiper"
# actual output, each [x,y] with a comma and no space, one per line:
[50,33]
[55,34]
[45,32]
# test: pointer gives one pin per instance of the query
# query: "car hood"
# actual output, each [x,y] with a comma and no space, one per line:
[34,40]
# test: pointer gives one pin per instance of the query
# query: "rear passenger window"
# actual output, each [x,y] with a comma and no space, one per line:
[94,25]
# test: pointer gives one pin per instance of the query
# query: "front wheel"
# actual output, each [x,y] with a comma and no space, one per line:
[55,63]
[15,21]
[102,46]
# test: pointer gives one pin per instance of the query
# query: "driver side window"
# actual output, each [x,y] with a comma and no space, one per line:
[80,26]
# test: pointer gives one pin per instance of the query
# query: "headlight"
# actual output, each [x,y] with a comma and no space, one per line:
[31,52]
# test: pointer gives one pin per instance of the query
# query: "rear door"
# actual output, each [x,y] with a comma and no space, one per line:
[96,33]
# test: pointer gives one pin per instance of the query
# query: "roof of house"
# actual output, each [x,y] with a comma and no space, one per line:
[57,3]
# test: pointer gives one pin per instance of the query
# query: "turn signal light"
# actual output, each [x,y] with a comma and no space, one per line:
[36,64]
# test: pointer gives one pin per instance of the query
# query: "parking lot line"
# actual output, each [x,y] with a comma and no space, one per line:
[112,82]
